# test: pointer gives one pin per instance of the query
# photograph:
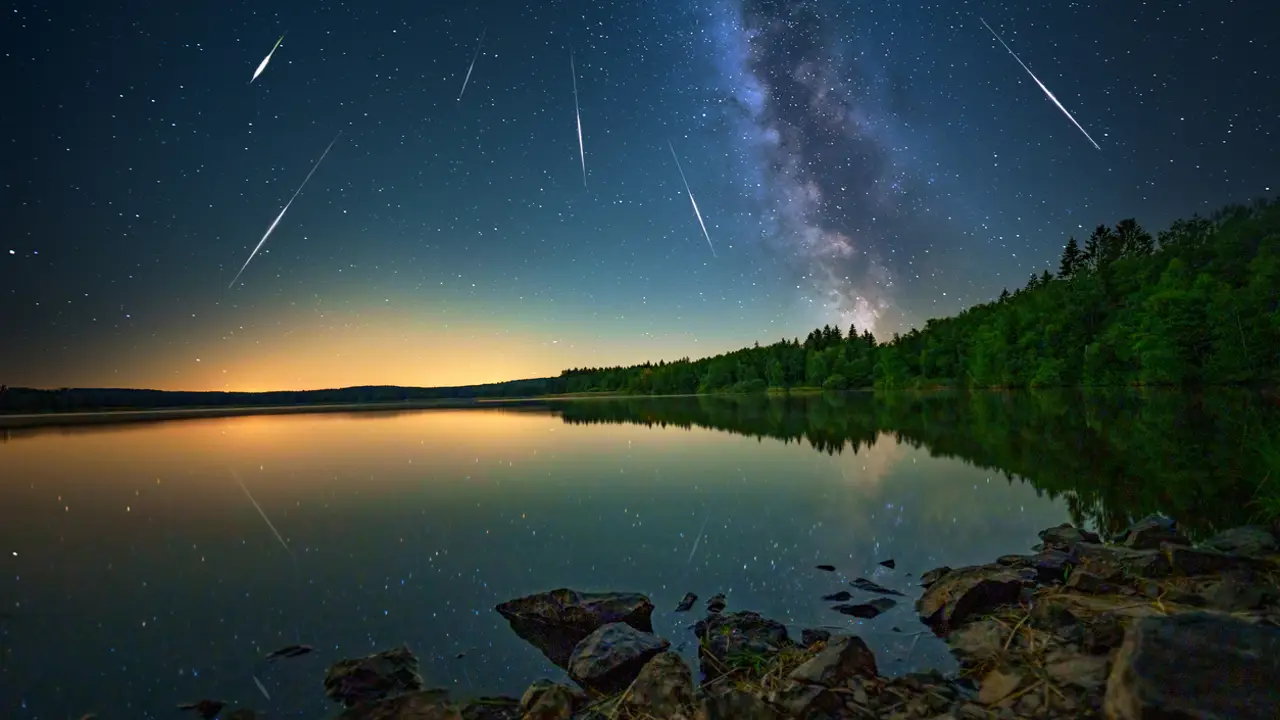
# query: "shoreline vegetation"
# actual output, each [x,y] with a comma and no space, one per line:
[1197,305]
[1144,625]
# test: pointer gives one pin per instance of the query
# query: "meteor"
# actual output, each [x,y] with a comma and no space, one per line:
[467,79]
[266,60]
[1042,87]
[281,215]
[578,113]
[695,203]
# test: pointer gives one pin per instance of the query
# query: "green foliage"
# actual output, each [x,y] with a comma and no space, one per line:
[1197,307]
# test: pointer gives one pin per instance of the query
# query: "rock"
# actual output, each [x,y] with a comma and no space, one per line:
[686,602]
[843,658]
[1152,531]
[1234,593]
[1067,535]
[838,597]
[738,633]
[966,592]
[1088,672]
[663,689]
[716,604]
[867,586]
[997,685]
[555,622]
[1126,561]
[426,705]
[1048,614]
[1196,665]
[889,564]
[1086,582]
[1189,561]
[977,641]
[736,705]
[1244,540]
[826,568]
[547,700]
[610,658]
[932,576]
[492,708]
[377,676]
[809,636]
[239,714]
[866,610]
[1102,635]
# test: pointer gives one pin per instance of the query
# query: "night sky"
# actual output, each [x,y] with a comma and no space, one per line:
[854,162]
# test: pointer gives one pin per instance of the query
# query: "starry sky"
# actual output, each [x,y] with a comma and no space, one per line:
[861,163]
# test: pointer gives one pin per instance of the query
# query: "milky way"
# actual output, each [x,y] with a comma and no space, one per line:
[829,185]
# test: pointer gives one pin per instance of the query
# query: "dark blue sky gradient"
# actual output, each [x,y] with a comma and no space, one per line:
[864,163]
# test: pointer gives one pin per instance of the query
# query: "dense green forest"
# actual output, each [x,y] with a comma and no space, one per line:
[1195,305]
[1113,456]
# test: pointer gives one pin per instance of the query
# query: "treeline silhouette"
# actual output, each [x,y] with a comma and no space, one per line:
[1196,305]
[1114,456]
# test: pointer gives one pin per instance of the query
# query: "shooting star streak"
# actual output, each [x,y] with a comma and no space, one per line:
[261,688]
[578,114]
[265,60]
[1042,87]
[279,537]
[695,202]
[467,79]
[282,212]
[699,538]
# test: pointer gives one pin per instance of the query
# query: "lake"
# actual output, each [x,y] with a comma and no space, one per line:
[137,572]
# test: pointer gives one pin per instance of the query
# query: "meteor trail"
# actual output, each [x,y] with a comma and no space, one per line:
[695,203]
[578,113]
[282,212]
[1042,87]
[265,60]
[467,79]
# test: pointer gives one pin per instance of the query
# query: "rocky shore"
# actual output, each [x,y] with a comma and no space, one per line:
[1144,626]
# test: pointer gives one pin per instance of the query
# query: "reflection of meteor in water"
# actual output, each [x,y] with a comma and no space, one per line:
[578,114]
[699,538]
[695,202]
[467,79]
[263,65]
[282,212]
[1042,87]
[258,507]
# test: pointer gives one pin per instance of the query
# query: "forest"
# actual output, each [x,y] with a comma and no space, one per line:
[1194,305]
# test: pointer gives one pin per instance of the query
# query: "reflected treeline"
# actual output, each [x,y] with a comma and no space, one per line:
[1112,457]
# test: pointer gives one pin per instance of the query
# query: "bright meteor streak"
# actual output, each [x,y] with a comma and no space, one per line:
[473,63]
[578,113]
[263,65]
[695,211]
[1042,87]
[282,212]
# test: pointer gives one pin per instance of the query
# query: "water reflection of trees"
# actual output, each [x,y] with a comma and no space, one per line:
[1111,457]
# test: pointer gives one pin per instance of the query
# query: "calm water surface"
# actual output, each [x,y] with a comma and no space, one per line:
[136,574]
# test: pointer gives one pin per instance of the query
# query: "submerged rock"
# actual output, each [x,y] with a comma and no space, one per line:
[866,610]
[555,622]
[205,709]
[889,564]
[611,657]
[1196,665]
[966,592]
[867,586]
[838,597]
[374,677]
[686,602]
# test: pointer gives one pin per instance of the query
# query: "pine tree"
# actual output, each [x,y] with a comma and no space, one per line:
[1071,259]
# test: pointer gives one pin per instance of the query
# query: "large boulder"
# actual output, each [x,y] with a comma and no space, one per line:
[966,592]
[381,675]
[547,700]
[608,659]
[663,689]
[843,657]
[1196,665]
[555,622]
[1244,540]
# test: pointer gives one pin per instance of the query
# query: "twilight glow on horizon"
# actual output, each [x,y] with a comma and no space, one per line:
[864,164]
